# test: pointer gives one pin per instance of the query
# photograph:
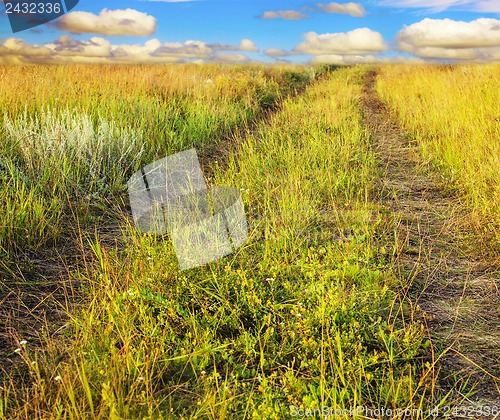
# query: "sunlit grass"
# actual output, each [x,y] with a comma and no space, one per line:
[70,136]
[306,314]
[454,115]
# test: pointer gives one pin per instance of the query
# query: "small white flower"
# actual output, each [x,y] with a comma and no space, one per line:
[203,372]
[23,342]
[130,292]
[299,315]
[270,279]
[300,303]
[57,378]
[140,378]
[18,350]
[282,323]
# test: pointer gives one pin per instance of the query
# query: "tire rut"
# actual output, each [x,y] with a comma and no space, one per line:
[456,289]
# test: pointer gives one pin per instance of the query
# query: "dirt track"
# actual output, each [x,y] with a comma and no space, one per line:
[457,289]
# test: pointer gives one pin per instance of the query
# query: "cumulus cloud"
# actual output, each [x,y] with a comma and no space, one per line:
[14,50]
[108,22]
[357,42]
[199,49]
[353,9]
[245,45]
[284,14]
[67,46]
[188,49]
[144,54]
[276,52]
[99,50]
[449,33]
[450,39]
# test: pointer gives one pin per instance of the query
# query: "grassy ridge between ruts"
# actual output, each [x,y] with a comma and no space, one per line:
[305,315]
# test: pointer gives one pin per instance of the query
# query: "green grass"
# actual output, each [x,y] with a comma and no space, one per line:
[71,147]
[306,314]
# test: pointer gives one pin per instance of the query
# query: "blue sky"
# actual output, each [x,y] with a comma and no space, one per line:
[240,31]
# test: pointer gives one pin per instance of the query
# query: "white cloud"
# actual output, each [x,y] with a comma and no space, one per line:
[488,6]
[351,8]
[284,14]
[144,54]
[276,52]
[357,42]
[67,46]
[99,50]
[245,45]
[482,6]
[448,39]
[449,33]
[18,46]
[188,49]
[16,51]
[108,22]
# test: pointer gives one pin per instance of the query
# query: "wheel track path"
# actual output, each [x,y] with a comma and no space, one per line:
[457,291]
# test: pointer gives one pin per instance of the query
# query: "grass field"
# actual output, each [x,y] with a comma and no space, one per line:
[312,311]
[454,116]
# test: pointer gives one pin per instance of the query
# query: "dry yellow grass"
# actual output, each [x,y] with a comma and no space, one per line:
[454,115]
[91,85]
[60,112]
